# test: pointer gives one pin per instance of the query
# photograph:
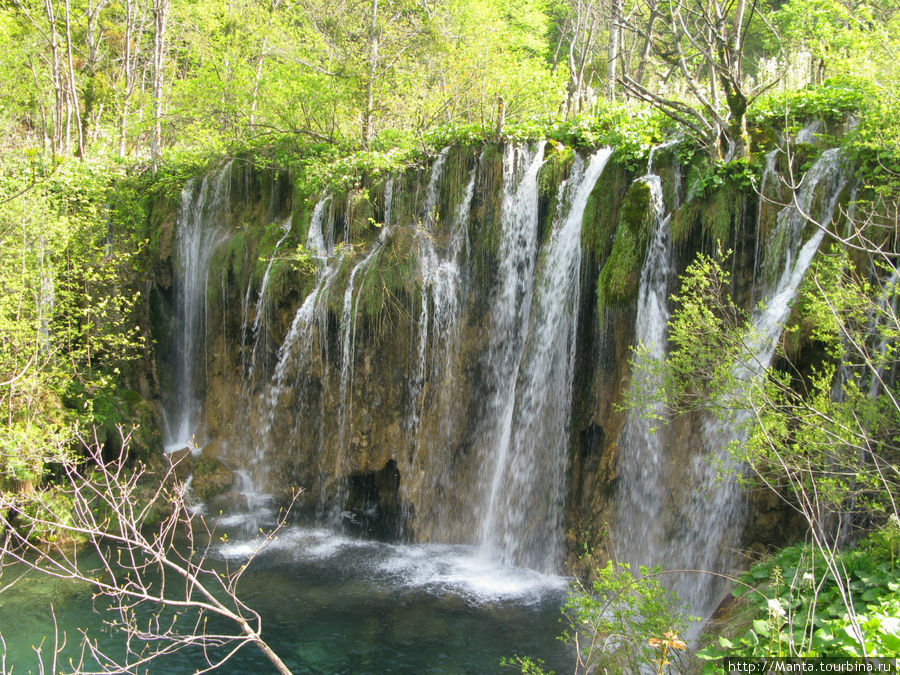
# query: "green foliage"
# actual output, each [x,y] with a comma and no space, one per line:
[794,605]
[717,198]
[526,665]
[871,143]
[388,289]
[70,318]
[615,617]
[557,163]
[618,621]
[801,438]
[826,453]
[831,101]
[706,332]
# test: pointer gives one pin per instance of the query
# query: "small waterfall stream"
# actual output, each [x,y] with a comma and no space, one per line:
[200,229]
[511,308]
[261,306]
[640,531]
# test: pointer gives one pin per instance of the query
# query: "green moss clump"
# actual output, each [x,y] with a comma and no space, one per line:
[360,215]
[601,213]
[486,221]
[717,202]
[389,289]
[553,171]
[716,214]
[557,164]
[288,276]
[236,255]
[724,213]
[301,214]
[341,279]
[618,282]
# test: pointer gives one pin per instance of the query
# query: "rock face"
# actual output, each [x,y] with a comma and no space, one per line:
[429,355]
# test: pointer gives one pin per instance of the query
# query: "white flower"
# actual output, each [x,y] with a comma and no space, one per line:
[775,608]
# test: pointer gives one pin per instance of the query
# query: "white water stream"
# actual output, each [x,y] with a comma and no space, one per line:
[200,228]
[524,509]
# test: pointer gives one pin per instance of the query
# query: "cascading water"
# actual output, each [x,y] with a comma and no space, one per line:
[701,530]
[523,518]
[260,309]
[296,348]
[439,279]
[715,520]
[640,533]
[200,228]
[511,307]
[824,180]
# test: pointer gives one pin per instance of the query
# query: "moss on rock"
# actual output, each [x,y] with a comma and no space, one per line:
[618,282]
[601,213]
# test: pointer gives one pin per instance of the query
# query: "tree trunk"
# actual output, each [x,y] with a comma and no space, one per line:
[160,15]
[612,49]
[368,116]
[259,62]
[73,90]
[134,30]
[45,139]
[648,43]
[61,97]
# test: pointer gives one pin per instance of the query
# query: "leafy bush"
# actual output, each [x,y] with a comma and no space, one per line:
[619,622]
[795,605]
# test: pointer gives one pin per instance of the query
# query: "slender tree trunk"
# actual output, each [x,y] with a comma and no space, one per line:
[73,90]
[160,15]
[126,71]
[368,116]
[259,61]
[45,140]
[60,94]
[134,31]
[575,70]
[612,49]
[648,43]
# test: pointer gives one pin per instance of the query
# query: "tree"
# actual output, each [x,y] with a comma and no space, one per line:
[160,18]
[160,590]
[705,41]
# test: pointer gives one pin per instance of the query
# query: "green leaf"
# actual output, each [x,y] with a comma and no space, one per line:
[871,594]
[762,627]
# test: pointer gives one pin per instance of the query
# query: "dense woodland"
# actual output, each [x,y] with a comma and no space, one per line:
[108,106]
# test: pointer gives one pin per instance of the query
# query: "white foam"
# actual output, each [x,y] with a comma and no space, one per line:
[442,569]
[466,571]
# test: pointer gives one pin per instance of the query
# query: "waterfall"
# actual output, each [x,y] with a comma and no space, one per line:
[200,228]
[296,348]
[438,279]
[641,537]
[826,180]
[260,310]
[349,308]
[715,520]
[522,512]
[471,402]
[656,522]
[510,308]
